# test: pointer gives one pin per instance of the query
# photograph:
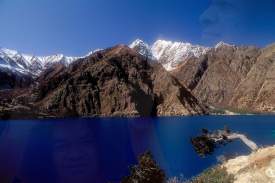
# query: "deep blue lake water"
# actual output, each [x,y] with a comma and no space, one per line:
[102,149]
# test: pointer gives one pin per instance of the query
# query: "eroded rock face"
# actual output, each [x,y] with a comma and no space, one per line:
[113,82]
[257,90]
[215,77]
[172,97]
[191,72]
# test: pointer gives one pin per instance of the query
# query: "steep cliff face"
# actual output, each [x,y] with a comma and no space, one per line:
[257,91]
[113,82]
[191,72]
[172,97]
[227,67]
[214,77]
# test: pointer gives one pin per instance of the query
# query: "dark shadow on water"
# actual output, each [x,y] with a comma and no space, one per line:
[63,152]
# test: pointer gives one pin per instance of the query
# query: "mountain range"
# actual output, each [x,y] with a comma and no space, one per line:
[165,78]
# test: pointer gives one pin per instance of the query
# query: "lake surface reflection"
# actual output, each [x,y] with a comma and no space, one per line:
[102,149]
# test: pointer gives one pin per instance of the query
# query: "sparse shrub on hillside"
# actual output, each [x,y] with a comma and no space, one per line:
[147,171]
[213,175]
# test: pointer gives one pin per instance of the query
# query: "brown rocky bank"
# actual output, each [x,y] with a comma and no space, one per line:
[112,82]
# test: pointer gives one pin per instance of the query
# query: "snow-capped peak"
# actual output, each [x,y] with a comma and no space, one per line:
[138,42]
[223,44]
[8,52]
[169,54]
[30,64]
[142,48]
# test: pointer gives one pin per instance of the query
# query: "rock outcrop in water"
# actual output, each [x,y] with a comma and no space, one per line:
[206,143]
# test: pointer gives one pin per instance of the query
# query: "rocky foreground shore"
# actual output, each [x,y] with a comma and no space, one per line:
[258,167]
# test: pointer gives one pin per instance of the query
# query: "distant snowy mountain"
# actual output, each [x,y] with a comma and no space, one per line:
[30,64]
[24,63]
[169,54]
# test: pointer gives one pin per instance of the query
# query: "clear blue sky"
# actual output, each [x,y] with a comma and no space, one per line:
[74,27]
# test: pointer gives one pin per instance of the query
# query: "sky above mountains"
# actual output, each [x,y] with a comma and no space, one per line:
[75,27]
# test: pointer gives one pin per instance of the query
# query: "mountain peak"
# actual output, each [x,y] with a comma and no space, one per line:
[137,42]
[142,48]
[169,54]
[223,44]
[28,63]
[8,52]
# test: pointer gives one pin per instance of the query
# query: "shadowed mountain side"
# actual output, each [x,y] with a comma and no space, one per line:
[113,82]
[10,80]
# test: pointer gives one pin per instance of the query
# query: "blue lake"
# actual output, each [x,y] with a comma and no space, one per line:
[103,149]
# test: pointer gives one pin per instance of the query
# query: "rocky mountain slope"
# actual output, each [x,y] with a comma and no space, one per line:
[240,78]
[257,90]
[237,78]
[225,76]
[214,77]
[113,82]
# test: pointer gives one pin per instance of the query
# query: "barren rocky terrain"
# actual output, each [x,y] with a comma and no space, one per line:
[232,77]
[121,81]
[258,167]
[113,82]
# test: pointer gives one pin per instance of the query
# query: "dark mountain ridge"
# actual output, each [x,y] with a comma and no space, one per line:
[112,82]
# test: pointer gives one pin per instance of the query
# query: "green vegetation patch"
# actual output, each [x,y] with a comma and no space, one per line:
[213,175]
